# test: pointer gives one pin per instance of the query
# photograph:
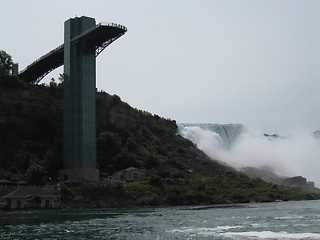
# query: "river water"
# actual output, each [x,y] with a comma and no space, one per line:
[283,220]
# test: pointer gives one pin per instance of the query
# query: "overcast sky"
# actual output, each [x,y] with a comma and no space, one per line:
[255,62]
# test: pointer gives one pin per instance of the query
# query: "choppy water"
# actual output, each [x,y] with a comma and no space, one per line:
[285,220]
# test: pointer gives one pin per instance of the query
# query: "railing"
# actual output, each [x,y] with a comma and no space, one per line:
[43,57]
[74,39]
[99,49]
[112,25]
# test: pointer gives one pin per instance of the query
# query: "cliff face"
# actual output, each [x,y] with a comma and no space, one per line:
[19,105]
[31,129]
[111,110]
[31,124]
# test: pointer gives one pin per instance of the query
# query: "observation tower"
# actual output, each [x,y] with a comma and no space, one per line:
[84,40]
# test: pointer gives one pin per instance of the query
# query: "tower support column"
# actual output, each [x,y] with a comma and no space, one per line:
[79,121]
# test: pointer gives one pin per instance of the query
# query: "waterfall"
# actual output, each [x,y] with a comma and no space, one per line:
[225,135]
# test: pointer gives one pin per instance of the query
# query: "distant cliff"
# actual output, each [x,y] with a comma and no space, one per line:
[267,174]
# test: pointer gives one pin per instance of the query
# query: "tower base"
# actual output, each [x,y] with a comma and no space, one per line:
[79,175]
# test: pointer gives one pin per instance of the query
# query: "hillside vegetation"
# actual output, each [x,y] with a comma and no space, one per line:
[177,172]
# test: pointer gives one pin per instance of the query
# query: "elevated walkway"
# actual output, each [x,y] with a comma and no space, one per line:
[100,36]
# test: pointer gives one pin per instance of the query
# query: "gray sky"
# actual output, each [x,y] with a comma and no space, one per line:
[254,62]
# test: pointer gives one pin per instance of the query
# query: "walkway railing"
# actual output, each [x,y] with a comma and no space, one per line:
[40,71]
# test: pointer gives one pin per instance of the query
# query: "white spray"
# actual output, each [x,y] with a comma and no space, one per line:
[296,155]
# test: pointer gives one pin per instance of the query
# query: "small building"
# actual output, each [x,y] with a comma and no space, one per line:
[29,197]
[130,174]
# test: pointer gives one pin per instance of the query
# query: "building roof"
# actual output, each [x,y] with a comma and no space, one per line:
[5,181]
[26,191]
[130,169]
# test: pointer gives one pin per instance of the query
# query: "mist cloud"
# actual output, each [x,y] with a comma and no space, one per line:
[295,155]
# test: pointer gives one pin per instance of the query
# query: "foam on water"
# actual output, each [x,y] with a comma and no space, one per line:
[204,231]
[220,231]
[273,235]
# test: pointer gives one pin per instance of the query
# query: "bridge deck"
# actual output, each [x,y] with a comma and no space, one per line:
[100,36]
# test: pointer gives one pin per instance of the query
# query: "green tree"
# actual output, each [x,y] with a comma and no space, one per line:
[108,146]
[23,158]
[7,80]
[36,174]
[5,64]
[109,143]
[52,163]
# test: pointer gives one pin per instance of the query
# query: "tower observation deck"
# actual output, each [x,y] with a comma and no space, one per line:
[98,36]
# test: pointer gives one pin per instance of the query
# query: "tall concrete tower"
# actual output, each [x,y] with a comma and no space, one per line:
[83,42]
[79,126]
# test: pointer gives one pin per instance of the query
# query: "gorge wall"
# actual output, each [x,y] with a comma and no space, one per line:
[36,103]
[31,125]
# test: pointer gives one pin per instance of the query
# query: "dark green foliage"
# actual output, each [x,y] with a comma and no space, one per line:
[7,80]
[109,144]
[12,82]
[36,174]
[33,133]
[131,145]
[152,161]
[156,181]
[116,100]
[126,159]
[177,172]
[52,163]
[159,191]
[5,64]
